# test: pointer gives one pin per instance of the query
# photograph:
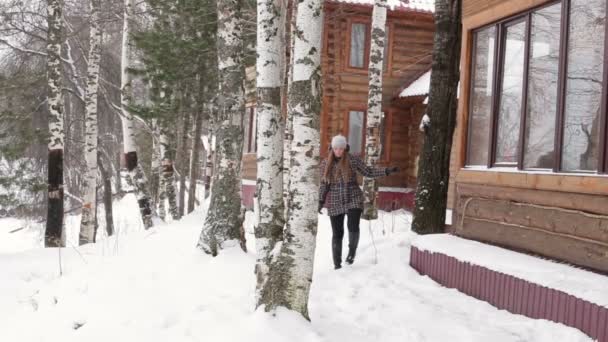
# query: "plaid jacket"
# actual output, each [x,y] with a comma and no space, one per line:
[341,196]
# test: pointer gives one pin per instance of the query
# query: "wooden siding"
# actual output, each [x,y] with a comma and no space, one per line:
[470,7]
[345,89]
[571,227]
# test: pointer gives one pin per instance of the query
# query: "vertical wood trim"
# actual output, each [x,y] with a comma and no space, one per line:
[603,159]
[561,92]
[498,57]
[524,98]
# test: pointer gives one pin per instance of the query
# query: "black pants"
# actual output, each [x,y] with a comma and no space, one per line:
[337,227]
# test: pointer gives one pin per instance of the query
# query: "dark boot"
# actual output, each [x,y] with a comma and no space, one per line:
[336,249]
[353,242]
[337,226]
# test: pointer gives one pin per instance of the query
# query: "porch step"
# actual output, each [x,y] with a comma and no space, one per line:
[520,283]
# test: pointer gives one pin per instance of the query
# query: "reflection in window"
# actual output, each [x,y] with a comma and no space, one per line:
[539,134]
[509,114]
[481,97]
[357,45]
[355,131]
[584,85]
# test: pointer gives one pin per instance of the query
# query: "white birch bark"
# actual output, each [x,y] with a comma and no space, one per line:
[291,270]
[54,224]
[89,206]
[167,176]
[288,125]
[374,106]
[136,174]
[224,221]
[270,211]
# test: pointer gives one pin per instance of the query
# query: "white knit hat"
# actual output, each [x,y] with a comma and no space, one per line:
[339,141]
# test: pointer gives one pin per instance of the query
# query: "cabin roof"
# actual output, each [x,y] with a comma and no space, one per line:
[421,87]
[425,6]
[418,87]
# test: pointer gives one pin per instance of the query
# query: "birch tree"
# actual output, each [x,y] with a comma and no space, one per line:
[136,174]
[271,215]
[54,236]
[291,270]
[224,220]
[374,106]
[434,168]
[89,207]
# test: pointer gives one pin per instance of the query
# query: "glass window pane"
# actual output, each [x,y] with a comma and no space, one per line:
[355,131]
[481,97]
[584,85]
[357,45]
[509,110]
[539,134]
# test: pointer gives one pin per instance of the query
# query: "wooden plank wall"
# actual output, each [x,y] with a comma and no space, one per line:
[560,225]
[345,89]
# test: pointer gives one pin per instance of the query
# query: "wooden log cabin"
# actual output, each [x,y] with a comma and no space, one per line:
[530,155]
[346,42]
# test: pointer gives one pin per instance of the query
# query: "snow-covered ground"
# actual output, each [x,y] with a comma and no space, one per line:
[156,286]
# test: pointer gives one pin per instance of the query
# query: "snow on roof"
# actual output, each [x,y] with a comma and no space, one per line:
[419,87]
[427,6]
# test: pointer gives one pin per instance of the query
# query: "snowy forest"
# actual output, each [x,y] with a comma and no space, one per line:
[123,129]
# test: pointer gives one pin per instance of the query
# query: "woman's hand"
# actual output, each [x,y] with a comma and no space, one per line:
[321,204]
[393,169]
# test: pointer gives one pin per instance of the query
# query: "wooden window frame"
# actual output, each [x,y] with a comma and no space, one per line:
[497,71]
[388,120]
[389,51]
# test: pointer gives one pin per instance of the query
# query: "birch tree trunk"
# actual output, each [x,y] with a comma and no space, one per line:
[106,176]
[89,206]
[183,156]
[291,271]
[168,175]
[155,167]
[138,178]
[288,126]
[374,107]
[434,168]
[53,236]
[194,160]
[224,220]
[271,211]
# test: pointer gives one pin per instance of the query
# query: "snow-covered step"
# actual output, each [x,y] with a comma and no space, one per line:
[519,283]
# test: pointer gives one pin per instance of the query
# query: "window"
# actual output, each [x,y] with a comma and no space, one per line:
[512,82]
[250,130]
[357,121]
[360,36]
[481,97]
[539,132]
[356,135]
[583,85]
[538,90]
[358,40]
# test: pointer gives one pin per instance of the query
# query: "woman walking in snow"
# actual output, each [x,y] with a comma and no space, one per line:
[339,182]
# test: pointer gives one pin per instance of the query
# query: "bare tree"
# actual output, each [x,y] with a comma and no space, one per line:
[440,120]
[89,207]
[54,236]
[291,270]
[224,221]
[271,218]
[374,106]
